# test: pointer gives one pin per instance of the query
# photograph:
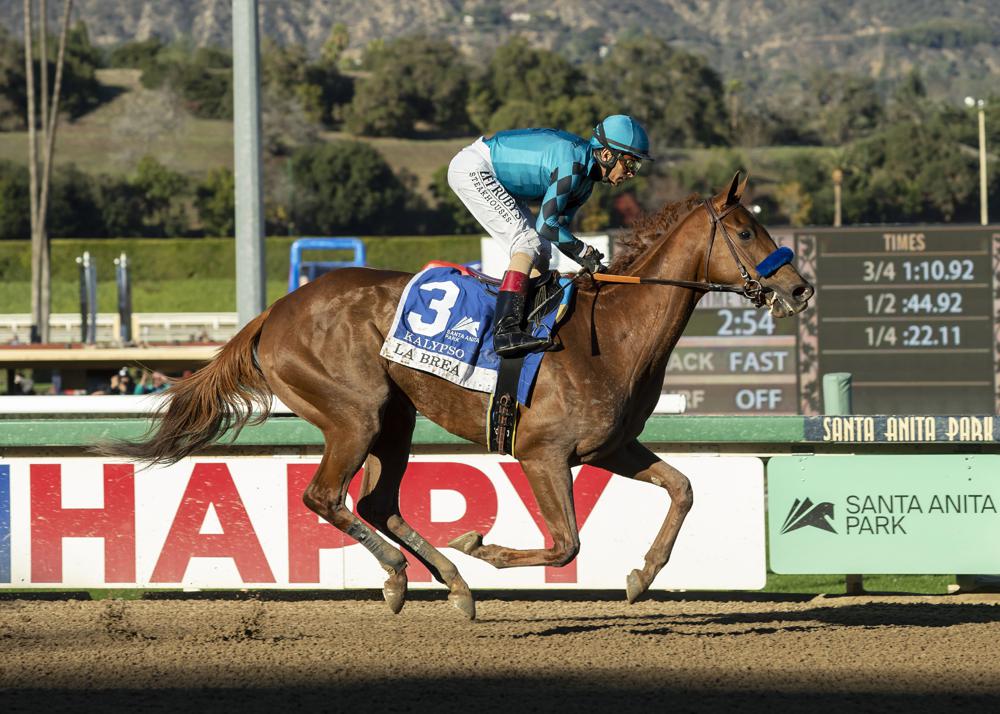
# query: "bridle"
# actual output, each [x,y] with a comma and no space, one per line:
[751,288]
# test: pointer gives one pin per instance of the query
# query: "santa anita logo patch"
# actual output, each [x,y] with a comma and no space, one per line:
[805,513]
[468,325]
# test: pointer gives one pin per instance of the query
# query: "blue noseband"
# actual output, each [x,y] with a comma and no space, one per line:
[769,266]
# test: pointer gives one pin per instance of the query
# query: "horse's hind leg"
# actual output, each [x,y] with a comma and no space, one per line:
[326,371]
[327,496]
[379,505]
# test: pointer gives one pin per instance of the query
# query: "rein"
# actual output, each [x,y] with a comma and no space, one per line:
[632,280]
[751,289]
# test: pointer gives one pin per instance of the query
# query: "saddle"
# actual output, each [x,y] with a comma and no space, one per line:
[540,289]
[503,412]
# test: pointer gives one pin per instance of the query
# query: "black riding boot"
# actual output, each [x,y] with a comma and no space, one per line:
[509,339]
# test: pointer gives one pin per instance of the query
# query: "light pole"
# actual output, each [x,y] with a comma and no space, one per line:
[980,104]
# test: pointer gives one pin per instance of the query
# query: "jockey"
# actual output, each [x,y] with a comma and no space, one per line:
[495,176]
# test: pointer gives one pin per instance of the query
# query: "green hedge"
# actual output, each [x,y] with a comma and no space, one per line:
[193,275]
[167,259]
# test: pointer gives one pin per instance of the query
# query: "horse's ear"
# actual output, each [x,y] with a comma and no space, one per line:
[736,188]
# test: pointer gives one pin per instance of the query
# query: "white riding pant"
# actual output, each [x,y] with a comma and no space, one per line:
[506,219]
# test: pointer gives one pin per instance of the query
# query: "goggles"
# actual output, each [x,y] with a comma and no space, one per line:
[631,164]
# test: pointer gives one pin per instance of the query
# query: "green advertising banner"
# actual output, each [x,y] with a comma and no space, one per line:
[884,514]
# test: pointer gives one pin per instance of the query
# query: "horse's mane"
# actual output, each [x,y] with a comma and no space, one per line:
[647,230]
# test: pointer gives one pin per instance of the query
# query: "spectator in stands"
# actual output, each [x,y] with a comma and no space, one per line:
[151,383]
[120,383]
[23,384]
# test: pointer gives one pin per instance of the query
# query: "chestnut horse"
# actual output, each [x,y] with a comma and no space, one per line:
[317,349]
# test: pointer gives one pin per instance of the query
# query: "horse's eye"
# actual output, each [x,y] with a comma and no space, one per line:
[746,235]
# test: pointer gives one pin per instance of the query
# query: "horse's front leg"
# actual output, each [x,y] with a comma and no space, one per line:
[636,461]
[552,483]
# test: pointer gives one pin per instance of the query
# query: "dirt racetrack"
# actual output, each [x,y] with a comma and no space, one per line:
[886,654]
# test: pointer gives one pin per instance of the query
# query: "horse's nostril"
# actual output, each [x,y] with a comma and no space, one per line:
[803,292]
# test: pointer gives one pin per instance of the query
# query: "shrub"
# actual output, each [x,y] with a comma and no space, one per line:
[215,199]
[345,186]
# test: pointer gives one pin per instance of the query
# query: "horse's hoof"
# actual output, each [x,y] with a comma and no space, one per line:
[467,543]
[464,603]
[394,591]
[634,586]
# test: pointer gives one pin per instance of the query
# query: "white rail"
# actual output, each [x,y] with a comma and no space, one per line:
[144,404]
[124,404]
[146,327]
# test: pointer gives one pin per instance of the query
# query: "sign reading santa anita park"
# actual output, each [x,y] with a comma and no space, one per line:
[884,514]
[240,522]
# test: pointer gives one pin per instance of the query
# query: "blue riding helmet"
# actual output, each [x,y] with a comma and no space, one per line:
[623,135]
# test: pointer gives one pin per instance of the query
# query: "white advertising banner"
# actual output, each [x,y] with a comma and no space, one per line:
[240,522]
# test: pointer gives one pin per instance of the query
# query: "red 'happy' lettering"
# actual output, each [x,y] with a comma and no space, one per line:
[211,484]
[307,534]
[50,523]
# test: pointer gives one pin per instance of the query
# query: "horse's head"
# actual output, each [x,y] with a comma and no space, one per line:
[741,251]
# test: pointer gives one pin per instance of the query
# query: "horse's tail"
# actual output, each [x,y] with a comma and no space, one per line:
[201,407]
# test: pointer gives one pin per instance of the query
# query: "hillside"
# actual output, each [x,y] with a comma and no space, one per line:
[766,45]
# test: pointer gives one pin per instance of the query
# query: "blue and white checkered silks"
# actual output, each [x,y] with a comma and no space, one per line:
[444,326]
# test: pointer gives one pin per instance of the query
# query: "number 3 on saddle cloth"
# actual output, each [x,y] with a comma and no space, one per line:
[444,326]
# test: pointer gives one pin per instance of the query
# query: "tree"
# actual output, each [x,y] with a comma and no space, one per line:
[122,206]
[336,42]
[380,109]
[525,86]
[201,76]
[81,92]
[677,96]
[215,199]
[41,296]
[516,114]
[909,99]
[164,192]
[136,54]
[15,211]
[207,91]
[73,209]
[323,92]
[413,79]
[578,115]
[913,171]
[794,202]
[345,187]
[522,72]
[847,107]
[150,202]
[13,97]
[288,77]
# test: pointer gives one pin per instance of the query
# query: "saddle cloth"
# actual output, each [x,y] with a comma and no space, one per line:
[444,326]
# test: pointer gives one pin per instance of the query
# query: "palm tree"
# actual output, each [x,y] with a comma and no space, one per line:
[41,291]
